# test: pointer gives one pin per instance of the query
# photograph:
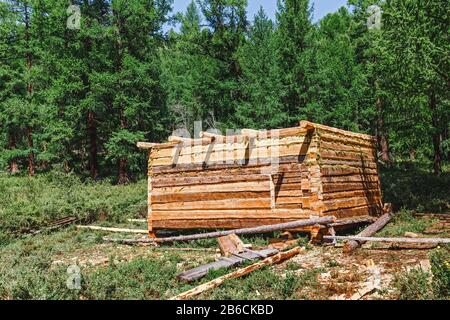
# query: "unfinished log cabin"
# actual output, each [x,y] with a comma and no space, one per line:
[262,177]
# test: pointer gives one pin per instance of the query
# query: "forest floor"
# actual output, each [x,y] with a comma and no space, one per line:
[38,266]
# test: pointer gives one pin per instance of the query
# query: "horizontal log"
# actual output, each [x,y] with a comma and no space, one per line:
[118,230]
[310,125]
[348,163]
[224,187]
[254,230]
[241,213]
[396,240]
[371,209]
[345,171]
[261,162]
[169,198]
[368,193]
[340,187]
[352,178]
[368,232]
[261,203]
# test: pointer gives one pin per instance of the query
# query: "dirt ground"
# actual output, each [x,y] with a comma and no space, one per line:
[365,274]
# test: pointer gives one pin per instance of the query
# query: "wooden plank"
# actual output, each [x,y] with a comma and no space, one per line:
[280,257]
[119,230]
[261,203]
[186,197]
[201,271]
[230,214]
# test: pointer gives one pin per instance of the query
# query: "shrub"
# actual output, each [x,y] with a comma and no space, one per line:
[413,285]
[440,267]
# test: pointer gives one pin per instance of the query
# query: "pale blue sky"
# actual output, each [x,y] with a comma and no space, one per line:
[321,7]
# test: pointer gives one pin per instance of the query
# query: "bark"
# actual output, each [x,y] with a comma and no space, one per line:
[369,231]
[255,230]
[437,136]
[29,62]
[381,132]
[13,166]
[31,153]
[93,161]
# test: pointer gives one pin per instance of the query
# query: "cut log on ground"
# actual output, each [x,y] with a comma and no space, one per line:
[217,234]
[225,262]
[369,231]
[118,230]
[394,240]
[280,257]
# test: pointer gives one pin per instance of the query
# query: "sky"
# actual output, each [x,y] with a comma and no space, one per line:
[321,7]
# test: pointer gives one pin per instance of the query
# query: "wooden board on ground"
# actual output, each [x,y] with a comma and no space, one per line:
[280,257]
[225,262]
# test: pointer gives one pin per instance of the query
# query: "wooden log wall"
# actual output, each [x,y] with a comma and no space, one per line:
[350,185]
[230,182]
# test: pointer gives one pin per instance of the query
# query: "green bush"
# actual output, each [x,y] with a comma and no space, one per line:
[32,203]
[413,285]
[440,267]
[419,285]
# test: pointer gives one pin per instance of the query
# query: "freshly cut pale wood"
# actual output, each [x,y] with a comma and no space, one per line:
[369,231]
[310,125]
[395,240]
[119,230]
[282,256]
[149,145]
[230,244]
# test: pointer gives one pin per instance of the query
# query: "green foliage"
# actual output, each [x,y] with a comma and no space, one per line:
[413,285]
[413,187]
[404,221]
[440,268]
[416,284]
[32,203]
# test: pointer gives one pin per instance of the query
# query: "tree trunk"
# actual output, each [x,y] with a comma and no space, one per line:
[437,136]
[123,174]
[29,62]
[30,153]
[13,166]
[93,161]
[368,232]
[381,133]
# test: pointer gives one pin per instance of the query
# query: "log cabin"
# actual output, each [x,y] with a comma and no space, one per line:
[262,177]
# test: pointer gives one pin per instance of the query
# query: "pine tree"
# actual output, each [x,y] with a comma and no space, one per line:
[261,106]
[293,34]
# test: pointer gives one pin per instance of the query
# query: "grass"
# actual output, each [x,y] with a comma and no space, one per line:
[412,186]
[28,269]
[416,284]
[32,203]
[404,221]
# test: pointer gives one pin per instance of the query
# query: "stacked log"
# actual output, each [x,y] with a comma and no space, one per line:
[232,182]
